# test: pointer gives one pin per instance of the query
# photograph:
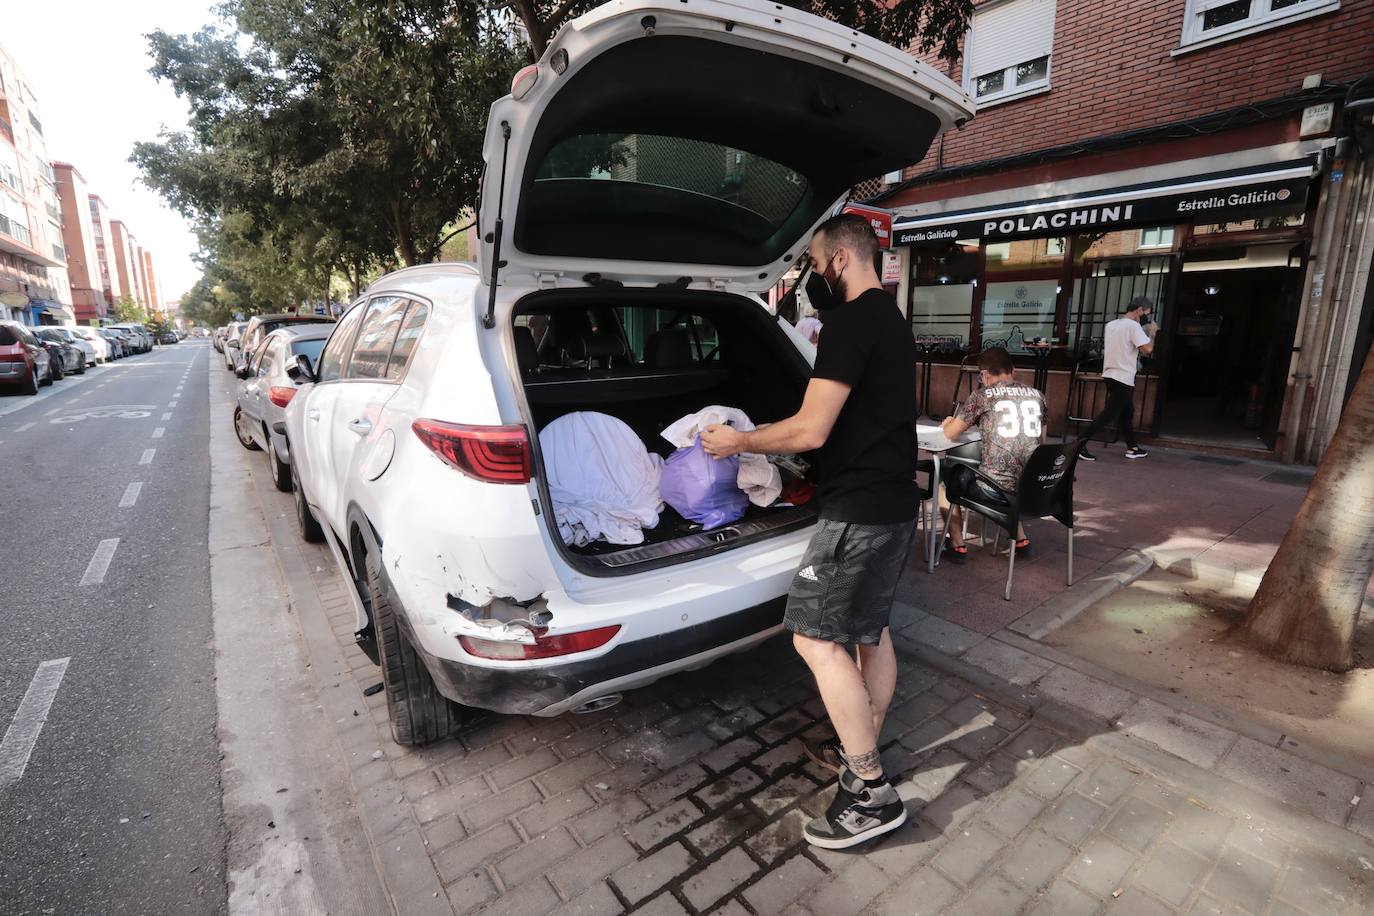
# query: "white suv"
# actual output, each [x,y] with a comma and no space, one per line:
[661,166]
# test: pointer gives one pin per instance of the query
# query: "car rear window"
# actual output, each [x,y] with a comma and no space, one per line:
[7,336]
[656,169]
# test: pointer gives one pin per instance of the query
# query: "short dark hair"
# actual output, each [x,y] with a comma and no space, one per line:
[852,231]
[997,361]
[1139,302]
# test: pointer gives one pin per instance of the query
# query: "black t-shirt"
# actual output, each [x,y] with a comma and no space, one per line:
[867,467]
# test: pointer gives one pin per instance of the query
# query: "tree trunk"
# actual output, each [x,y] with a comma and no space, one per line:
[1309,601]
[405,236]
[534,27]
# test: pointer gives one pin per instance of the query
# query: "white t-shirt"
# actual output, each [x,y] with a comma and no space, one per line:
[1120,341]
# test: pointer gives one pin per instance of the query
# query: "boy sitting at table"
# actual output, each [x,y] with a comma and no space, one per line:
[1010,417]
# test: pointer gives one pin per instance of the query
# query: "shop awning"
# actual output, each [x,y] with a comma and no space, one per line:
[55,309]
[1272,189]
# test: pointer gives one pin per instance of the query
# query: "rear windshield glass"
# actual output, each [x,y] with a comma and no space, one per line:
[7,337]
[310,348]
[621,337]
[764,192]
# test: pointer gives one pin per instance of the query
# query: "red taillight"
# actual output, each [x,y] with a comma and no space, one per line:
[524,81]
[280,396]
[495,454]
[544,646]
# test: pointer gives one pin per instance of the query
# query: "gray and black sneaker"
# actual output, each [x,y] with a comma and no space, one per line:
[1136,451]
[859,813]
[826,753]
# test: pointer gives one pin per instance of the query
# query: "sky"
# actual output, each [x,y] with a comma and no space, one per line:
[87,62]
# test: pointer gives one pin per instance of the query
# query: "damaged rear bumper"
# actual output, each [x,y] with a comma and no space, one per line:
[554,689]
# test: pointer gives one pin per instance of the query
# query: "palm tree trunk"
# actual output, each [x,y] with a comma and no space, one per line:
[1309,601]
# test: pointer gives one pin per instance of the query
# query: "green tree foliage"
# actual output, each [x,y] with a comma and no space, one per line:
[348,134]
[126,309]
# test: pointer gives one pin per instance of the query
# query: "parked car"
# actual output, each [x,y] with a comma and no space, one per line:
[415,444]
[141,339]
[217,338]
[266,390]
[118,346]
[231,344]
[99,345]
[68,335]
[67,357]
[168,337]
[24,360]
[259,326]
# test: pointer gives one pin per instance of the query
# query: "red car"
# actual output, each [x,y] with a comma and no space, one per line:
[24,361]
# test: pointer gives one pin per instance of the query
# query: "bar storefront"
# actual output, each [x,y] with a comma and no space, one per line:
[1222,256]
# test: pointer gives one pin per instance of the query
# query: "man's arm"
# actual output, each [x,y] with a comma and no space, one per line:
[1148,333]
[805,430]
[953,427]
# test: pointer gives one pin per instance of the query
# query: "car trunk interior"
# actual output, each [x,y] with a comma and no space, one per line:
[648,358]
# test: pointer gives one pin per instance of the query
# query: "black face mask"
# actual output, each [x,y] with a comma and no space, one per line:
[821,293]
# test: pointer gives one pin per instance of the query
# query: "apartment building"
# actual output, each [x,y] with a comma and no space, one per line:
[78,233]
[1213,155]
[33,274]
[110,289]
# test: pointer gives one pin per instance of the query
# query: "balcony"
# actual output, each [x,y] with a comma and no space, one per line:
[14,230]
[7,131]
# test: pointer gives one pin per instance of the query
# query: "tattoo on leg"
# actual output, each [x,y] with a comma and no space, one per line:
[865,763]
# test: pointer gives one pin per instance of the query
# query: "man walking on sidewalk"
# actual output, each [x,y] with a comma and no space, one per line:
[859,411]
[1122,341]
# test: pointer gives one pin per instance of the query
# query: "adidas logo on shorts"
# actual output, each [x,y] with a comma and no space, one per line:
[808,572]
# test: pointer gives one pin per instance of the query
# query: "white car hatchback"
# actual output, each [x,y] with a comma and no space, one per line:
[659,168]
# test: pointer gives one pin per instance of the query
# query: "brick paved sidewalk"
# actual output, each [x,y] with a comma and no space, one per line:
[691,795]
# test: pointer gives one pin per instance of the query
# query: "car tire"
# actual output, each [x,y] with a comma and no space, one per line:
[280,470]
[47,379]
[81,369]
[419,713]
[311,531]
[242,434]
[31,386]
[55,373]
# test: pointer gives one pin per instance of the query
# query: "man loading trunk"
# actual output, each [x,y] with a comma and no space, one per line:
[859,412]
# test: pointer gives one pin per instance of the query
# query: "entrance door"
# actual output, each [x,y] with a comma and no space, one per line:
[1230,337]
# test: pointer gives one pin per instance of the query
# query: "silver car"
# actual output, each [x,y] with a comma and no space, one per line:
[266,389]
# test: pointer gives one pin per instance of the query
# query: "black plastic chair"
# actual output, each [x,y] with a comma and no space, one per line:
[1045,490]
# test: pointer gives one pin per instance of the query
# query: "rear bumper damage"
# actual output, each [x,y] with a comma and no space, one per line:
[550,690]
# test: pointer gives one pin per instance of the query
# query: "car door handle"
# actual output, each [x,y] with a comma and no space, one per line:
[313,414]
[360,425]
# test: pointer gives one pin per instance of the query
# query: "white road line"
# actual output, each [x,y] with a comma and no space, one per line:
[22,735]
[130,494]
[157,433]
[26,426]
[148,454]
[56,409]
[167,415]
[171,403]
[100,562]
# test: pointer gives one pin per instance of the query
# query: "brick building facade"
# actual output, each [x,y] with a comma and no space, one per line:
[1195,151]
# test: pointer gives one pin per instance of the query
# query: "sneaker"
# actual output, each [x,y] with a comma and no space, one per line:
[956,554]
[825,753]
[1085,455]
[858,814]
[1136,452]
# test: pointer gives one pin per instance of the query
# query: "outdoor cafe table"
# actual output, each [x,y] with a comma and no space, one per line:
[931,439]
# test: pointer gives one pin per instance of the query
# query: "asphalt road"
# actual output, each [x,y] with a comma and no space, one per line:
[118,806]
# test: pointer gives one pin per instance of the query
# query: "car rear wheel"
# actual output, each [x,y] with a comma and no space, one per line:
[81,366]
[305,519]
[241,431]
[280,470]
[48,377]
[419,713]
[31,386]
[55,373]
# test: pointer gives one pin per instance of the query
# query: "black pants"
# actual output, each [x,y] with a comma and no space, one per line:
[1120,404]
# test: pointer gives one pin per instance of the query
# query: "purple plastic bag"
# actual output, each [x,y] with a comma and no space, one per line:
[701,488]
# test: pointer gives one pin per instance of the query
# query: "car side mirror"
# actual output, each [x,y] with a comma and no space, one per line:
[300,369]
[241,371]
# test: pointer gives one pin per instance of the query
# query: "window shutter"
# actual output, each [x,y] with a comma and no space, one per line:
[1009,33]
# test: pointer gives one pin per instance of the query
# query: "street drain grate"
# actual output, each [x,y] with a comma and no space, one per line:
[1215,459]
[1292,478]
